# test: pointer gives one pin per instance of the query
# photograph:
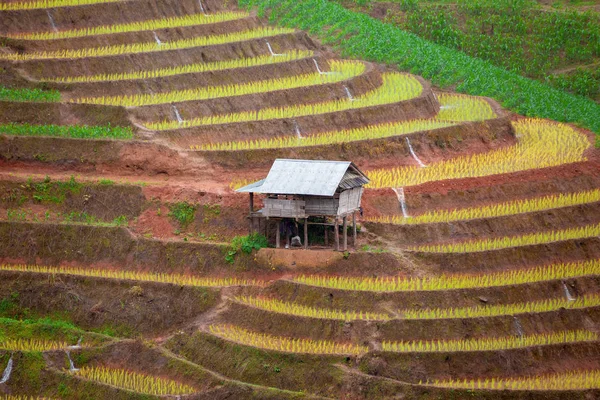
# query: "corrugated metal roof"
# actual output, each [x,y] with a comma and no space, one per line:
[307,177]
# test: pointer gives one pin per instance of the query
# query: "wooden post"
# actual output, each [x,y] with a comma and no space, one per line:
[345,227]
[354,229]
[326,235]
[337,234]
[287,235]
[278,235]
[250,218]
[306,233]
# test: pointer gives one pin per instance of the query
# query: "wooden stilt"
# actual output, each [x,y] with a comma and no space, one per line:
[354,229]
[306,233]
[326,235]
[345,227]
[337,234]
[278,235]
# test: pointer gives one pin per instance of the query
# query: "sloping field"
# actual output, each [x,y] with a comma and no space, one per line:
[126,125]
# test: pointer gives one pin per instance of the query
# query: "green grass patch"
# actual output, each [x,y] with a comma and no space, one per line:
[70,131]
[361,36]
[182,212]
[37,95]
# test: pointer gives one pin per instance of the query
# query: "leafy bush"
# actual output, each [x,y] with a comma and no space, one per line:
[246,244]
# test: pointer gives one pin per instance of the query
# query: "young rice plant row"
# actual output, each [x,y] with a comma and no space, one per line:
[36,4]
[512,241]
[175,279]
[136,48]
[31,345]
[459,107]
[495,210]
[396,87]
[138,26]
[541,144]
[333,137]
[573,380]
[283,344]
[454,281]
[490,344]
[134,381]
[289,308]
[340,71]
[533,307]
[187,68]
[72,131]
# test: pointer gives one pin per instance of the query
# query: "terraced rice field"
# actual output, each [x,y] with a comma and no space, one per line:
[125,266]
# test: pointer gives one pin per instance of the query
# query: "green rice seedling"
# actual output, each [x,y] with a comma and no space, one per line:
[534,307]
[541,144]
[360,36]
[490,344]
[148,47]
[343,136]
[459,107]
[21,397]
[454,281]
[186,69]
[495,210]
[340,70]
[37,4]
[284,307]
[396,87]
[512,241]
[135,381]
[138,26]
[31,345]
[176,279]
[572,380]
[284,344]
[70,131]
[28,95]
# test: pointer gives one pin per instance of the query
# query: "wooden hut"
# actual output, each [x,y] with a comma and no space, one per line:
[300,189]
